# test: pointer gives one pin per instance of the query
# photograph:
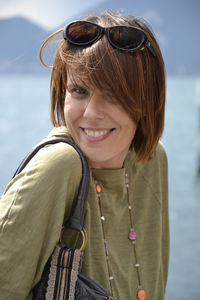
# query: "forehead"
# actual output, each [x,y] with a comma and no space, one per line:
[73,78]
[91,88]
[88,80]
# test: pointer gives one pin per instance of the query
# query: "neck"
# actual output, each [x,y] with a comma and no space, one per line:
[115,163]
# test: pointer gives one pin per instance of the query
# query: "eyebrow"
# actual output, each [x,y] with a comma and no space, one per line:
[73,84]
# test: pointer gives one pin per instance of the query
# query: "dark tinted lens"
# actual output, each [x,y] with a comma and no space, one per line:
[82,32]
[126,37]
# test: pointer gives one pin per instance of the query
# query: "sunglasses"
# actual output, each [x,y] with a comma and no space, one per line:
[129,38]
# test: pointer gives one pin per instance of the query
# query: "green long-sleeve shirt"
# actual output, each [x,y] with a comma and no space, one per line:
[37,200]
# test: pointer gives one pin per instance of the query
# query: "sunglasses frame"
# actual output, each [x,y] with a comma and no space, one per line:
[106,30]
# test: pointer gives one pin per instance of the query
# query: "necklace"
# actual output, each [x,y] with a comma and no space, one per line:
[132,236]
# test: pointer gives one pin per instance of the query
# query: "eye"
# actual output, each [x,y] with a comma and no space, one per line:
[77,92]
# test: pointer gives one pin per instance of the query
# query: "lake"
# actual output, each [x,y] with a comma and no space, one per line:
[24,121]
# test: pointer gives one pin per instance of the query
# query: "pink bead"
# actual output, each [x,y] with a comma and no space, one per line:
[132,236]
[126,180]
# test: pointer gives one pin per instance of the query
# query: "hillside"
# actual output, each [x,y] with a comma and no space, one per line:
[176,24]
[20,43]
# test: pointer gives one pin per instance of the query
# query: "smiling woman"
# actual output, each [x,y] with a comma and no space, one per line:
[108,97]
[99,125]
[92,59]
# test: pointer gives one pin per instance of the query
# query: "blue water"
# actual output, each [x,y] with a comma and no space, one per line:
[24,121]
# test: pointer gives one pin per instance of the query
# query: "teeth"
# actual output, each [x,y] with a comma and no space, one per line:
[93,133]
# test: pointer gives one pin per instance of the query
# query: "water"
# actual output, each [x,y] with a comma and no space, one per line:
[24,121]
[180,139]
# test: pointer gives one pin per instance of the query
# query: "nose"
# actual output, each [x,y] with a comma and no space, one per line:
[94,108]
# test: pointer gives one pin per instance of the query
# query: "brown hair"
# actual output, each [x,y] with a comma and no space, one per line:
[136,79]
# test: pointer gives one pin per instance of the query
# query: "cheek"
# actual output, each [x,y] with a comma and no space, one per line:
[128,124]
[133,130]
[72,111]
[129,131]
[68,110]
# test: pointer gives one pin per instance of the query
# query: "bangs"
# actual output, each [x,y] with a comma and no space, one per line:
[107,69]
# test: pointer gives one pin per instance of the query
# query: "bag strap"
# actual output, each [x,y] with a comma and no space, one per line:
[76,219]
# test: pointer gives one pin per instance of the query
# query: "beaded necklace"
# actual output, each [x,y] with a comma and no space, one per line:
[132,236]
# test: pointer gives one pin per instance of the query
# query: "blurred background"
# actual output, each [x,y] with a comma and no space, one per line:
[24,105]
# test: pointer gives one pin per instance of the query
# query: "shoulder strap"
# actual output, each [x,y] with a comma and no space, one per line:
[76,219]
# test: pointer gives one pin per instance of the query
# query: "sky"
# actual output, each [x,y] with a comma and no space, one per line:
[48,13]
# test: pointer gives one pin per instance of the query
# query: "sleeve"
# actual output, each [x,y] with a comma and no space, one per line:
[165,213]
[32,210]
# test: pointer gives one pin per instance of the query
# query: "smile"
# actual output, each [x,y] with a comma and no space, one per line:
[94,134]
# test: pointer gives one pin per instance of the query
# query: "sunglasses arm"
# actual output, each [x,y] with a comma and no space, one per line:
[151,48]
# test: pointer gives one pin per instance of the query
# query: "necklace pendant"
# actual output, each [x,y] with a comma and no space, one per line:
[141,294]
[98,188]
[132,236]
[126,180]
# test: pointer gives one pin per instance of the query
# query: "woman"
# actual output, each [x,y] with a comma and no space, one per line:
[108,95]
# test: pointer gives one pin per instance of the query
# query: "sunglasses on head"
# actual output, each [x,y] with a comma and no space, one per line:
[129,38]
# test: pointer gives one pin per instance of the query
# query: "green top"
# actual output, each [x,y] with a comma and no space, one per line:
[37,200]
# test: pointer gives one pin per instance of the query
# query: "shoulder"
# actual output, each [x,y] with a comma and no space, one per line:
[59,155]
[160,153]
[158,161]
[53,165]
[48,183]
[152,176]
[56,156]
[55,162]
[157,166]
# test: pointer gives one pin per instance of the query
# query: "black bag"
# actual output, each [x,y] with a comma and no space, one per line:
[61,278]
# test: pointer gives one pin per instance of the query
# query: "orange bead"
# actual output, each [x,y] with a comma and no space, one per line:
[141,295]
[98,188]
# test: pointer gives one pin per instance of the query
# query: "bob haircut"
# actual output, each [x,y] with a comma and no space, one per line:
[136,79]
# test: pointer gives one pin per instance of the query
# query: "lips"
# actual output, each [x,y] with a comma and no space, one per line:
[96,134]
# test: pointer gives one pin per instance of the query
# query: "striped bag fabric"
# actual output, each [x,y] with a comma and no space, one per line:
[60,275]
[62,279]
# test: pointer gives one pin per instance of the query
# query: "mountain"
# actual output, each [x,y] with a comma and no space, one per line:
[20,43]
[175,22]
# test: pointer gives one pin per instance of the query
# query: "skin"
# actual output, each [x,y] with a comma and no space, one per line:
[98,124]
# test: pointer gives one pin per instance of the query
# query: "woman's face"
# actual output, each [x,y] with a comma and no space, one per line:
[98,124]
